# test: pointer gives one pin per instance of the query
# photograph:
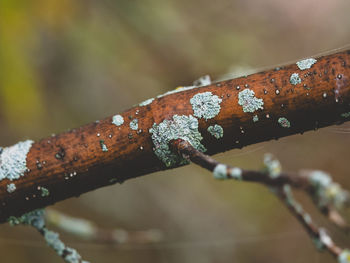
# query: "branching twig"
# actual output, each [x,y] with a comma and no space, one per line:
[323,190]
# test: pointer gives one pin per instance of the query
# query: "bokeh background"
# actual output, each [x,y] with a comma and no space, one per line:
[66,63]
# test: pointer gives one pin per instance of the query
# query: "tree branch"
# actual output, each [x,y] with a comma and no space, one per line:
[221,116]
[319,185]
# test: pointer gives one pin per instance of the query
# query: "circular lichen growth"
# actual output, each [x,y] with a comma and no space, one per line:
[295,79]
[205,105]
[248,101]
[284,122]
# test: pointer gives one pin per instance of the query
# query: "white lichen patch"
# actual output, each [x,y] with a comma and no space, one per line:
[202,81]
[306,63]
[295,79]
[178,89]
[284,122]
[255,118]
[179,127]
[11,188]
[272,166]
[146,102]
[327,192]
[248,101]
[13,160]
[236,173]
[205,105]
[134,124]
[117,120]
[216,130]
[344,256]
[220,172]
[103,146]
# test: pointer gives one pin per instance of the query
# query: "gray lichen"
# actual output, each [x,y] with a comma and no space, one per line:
[146,102]
[44,192]
[255,118]
[248,101]
[11,188]
[205,105]
[13,163]
[327,192]
[306,63]
[272,166]
[36,219]
[178,89]
[236,173]
[117,120]
[103,146]
[220,172]
[179,127]
[284,122]
[345,114]
[134,124]
[216,130]
[295,79]
[202,81]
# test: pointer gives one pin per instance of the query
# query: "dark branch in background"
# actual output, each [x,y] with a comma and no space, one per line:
[318,184]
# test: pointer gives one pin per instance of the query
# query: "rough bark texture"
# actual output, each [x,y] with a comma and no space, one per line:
[73,163]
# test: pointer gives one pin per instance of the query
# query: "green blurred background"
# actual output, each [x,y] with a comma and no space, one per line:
[66,63]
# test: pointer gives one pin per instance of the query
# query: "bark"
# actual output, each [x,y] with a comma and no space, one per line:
[76,162]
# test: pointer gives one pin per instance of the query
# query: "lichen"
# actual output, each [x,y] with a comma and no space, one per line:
[13,160]
[179,127]
[202,81]
[272,166]
[44,192]
[205,105]
[284,122]
[178,89]
[236,173]
[306,63]
[117,120]
[248,101]
[344,256]
[36,219]
[11,188]
[103,146]
[220,172]
[146,102]
[345,114]
[134,124]
[326,192]
[295,79]
[255,118]
[216,130]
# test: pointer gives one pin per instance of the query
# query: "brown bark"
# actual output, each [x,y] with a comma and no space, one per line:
[73,163]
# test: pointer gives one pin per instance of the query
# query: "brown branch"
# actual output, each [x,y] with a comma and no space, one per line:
[280,183]
[102,153]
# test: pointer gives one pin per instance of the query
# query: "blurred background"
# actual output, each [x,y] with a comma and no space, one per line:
[66,63]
